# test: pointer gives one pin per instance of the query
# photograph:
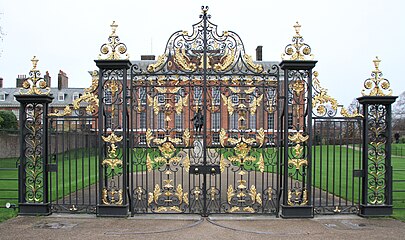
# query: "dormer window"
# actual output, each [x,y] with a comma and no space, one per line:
[2,96]
[75,96]
[61,96]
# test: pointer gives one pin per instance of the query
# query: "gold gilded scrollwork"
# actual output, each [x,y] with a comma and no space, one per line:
[155,66]
[345,113]
[243,195]
[66,111]
[186,137]
[112,163]
[222,137]
[298,50]
[112,196]
[35,85]
[377,85]
[153,102]
[254,104]
[298,86]
[260,137]
[149,136]
[255,67]
[225,60]
[88,96]
[182,102]
[114,48]
[168,195]
[321,98]
[298,138]
[183,61]
[297,197]
[228,102]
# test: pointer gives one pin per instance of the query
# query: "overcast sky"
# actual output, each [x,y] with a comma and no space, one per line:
[345,36]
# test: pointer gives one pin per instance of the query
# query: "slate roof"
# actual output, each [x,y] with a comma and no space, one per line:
[67,92]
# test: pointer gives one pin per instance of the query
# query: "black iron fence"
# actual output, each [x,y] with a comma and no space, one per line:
[73,164]
[337,164]
[9,183]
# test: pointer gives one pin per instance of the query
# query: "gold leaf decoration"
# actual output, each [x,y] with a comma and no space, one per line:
[186,164]
[260,137]
[155,66]
[66,112]
[297,163]
[183,61]
[112,138]
[298,138]
[234,89]
[230,193]
[186,137]
[149,136]
[113,163]
[261,163]
[346,113]
[255,67]
[250,90]
[225,60]
[381,85]
[149,163]
[161,90]
[222,137]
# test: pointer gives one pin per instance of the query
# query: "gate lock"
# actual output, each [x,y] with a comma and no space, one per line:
[205,169]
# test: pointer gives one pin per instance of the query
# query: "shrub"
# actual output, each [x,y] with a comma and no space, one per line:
[9,120]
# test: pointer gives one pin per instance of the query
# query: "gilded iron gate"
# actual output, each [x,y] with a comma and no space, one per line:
[205,129]
[202,127]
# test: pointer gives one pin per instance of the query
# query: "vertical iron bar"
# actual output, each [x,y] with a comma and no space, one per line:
[205,112]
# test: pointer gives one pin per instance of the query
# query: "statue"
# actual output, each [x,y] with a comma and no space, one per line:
[198,120]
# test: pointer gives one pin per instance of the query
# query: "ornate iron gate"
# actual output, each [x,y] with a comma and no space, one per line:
[202,129]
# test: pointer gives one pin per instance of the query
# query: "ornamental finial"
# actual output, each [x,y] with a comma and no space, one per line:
[113,28]
[377,85]
[298,50]
[114,48]
[376,62]
[34,84]
[34,61]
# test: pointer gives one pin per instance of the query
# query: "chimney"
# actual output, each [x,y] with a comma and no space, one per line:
[259,54]
[19,81]
[1,82]
[47,79]
[147,57]
[62,80]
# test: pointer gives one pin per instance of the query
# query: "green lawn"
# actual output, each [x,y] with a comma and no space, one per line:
[398,149]
[8,186]
[334,174]
[76,170]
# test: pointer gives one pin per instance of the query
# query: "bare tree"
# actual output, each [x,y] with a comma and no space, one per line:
[2,34]
[398,114]
[355,107]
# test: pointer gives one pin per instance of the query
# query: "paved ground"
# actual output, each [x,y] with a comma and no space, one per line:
[193,227]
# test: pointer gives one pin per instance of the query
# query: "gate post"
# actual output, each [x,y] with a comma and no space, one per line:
[377,170]
[33,189]
[296,139]
[113,128]
[296,129]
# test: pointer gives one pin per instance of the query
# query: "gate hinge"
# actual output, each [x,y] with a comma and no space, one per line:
[205,169]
